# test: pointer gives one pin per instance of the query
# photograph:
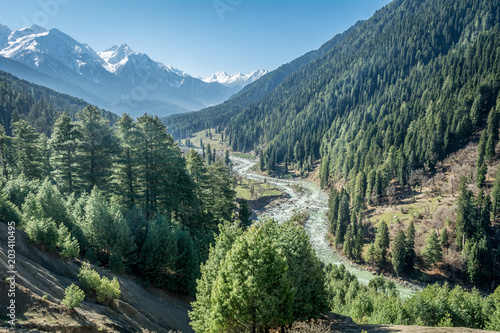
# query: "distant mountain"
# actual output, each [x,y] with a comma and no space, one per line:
[236,80]
[119,78]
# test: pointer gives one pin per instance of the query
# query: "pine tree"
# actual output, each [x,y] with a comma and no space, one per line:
[398,253]
[200,315]
[245,213]
[227,160]
[432,251]
[492,133]
[26,150]
[252,291]
[95,150]
[160,254]
[465,215]
[4,144]
[445,239]
[410,248]
[495,195]
[382,243]
[126,163]
[64,142]
[343,220]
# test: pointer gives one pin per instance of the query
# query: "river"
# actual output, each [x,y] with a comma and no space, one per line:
[313,200]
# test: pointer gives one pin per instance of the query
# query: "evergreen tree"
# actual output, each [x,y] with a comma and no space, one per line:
[98,226]
[252,291]
[495,195]
[410,248]
[160,254]
[382,243]
[432,251]
[445,239]
[4,144]
[126,164]
[492,133]
[398,253]
[245,213]
[227,160]
[95,150]
[201,313]
[26,150]
[465,215]
[64,143]
[343,219]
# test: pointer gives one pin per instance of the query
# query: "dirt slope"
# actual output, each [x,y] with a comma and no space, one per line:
[41,279]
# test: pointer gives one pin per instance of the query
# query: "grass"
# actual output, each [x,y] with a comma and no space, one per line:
[407,210]
[252,190]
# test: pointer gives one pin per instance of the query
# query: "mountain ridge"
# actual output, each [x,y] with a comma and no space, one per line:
[119,78]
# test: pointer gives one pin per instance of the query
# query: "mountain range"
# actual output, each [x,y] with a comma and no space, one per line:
[119,78]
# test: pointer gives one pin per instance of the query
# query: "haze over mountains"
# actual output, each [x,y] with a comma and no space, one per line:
[119,78]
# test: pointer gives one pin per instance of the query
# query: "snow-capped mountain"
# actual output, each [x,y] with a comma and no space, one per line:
[119,78]
[52,51]
[236,80]
[137,67]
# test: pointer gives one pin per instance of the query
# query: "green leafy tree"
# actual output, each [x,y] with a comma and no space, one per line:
[304,269]
[98,225]
[464,224]
[4,151]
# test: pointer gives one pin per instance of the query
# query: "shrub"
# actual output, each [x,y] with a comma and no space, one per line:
[17,189]
[89,279]
[73,296]
[42,231]
[8,211]
[103,288]
[108,290]
[68,245]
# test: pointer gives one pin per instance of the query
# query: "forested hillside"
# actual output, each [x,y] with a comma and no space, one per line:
[124,197]
[39,106]
[380,111]
[184,125]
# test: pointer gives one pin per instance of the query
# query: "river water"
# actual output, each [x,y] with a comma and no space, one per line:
[313,200]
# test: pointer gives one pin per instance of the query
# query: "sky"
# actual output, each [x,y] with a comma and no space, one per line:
[199,37]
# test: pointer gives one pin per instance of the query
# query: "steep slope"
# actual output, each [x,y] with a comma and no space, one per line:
[42,277]
[424,63]
[184,125]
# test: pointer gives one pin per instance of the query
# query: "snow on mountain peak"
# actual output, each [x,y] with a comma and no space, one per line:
[237,79]
[115,54]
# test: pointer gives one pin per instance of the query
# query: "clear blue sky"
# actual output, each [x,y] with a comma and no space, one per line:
[199,37]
